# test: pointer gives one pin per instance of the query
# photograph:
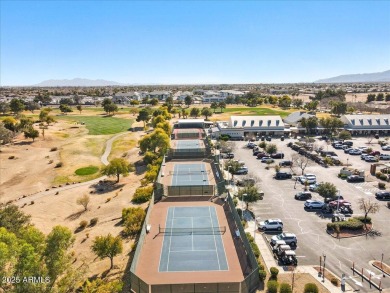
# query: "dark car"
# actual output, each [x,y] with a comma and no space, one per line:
[277,156]
[329,199]
[256,152]
[262,155]
[303,195]
[283,175]
[268,138]
[285,163]
[355,178]
[229,155]
[348,143]
[375,153]
[382,195]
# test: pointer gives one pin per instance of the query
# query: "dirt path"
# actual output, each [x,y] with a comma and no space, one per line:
[53,191]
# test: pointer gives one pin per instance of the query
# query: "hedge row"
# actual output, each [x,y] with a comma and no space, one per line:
[351,224]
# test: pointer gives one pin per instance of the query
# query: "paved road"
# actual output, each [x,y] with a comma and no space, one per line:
[313,241]
[107,151]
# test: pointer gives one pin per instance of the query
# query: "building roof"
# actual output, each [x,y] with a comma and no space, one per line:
[256,121]
[183,121]
[297,116]
[367,121]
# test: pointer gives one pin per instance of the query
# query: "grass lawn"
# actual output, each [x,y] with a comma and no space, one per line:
[87,170]
[257,111]
[98,125]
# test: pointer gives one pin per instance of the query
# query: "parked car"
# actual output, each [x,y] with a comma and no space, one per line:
[386,148]
[289,238]
[348,143]
[363,156]
[256,152]
[251,145]
[267,160]
[228,156]
[262,155]
[329,199]
[268,138]
[382,195]
[384,157]
[339,203]
[338,146]
[283,175]
[313,187]
[337,142]
[313,204]
[355,152]
[375,153]
[309,178]
[285,163]
[347,150]
[355,178]
[242,171]
[303,195]
[277,156]
[271,224]
[371,159]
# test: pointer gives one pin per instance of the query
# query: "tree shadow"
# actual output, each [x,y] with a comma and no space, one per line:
[105,186]
[374,233]
[74,216]
[23,143]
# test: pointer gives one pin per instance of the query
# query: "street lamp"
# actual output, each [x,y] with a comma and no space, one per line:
[242,201]
[323,269]
[338,201]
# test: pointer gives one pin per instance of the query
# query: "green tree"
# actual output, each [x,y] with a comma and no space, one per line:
[285,102]
[195,112]
[250,194]
[12,218]
[157,119]
[312,106]
[31,133]
[110,108]
[6,135]
[117,167]
[4,107]
[271,148]
[370,98]
[206,112]
[10,123]
[222,105]
[188,101]
[297,103]
[380,97]
[16,106]
[331,124]
[184,113]
[66,101]
[387,98]
[158,142]
[310,288]
[233,166]
[164,126]
[344,135]
[153,102]
[134,102]
[339,108]
[106,101]
[56,254]
[144,116]
[107,247]
[64,108]
[133,219]
[214,106]
[327,189]
[79,108]
[310,124]
[32,106]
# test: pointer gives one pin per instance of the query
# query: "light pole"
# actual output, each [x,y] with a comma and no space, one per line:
[347,162]
[338,202]
[323,269]
[242,202]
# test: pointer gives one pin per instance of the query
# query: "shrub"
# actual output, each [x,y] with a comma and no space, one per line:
[53,149]
[383,177]
[11,157]
[263,144]
[361,219]
[262,274]
[108,199]
[378,174]
[83,224]
[272,286]
[58,165]
[274,273]
[93,221]
[250,237]
[285,288]
[381,185]
[334,281]
[261,266]
[133,219]
[310,288]
[255,249]
[235,201]
[351,224]
[134,246]
[142,194]
[32,202]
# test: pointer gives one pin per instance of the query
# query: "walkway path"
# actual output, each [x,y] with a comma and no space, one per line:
[103,159]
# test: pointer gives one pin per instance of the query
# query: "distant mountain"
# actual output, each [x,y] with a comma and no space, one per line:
[365,77]
[76,82]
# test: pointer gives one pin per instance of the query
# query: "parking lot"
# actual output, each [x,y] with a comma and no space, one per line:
[310,226]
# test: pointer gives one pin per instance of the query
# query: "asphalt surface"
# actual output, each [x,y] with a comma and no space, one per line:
[310,226]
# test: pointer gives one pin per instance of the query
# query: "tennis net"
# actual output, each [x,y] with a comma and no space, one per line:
[192,231]
[184,173]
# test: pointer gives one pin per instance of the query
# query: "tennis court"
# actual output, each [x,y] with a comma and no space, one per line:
[192,241]
[190,174]
[189,144]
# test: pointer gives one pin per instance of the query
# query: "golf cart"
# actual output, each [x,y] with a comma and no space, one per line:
[288,257]
[277,244]
[281,249]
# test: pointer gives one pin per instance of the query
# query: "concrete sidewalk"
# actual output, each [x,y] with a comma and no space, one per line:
[270,261]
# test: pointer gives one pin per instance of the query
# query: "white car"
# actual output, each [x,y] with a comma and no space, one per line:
[309,178]
[384,157]
[313,204]
[355,152]
[267,160]
[271,224]
[386,147]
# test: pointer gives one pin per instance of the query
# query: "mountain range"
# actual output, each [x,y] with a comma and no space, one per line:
[76,82]
[364,77]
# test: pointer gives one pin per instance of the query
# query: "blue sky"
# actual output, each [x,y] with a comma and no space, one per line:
[179,42]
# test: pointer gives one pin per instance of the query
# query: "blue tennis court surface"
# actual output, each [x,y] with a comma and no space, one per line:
[188,144]
[190,174]
[189,252]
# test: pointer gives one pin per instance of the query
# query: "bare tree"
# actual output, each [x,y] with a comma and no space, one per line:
[367,207]
[300,161]
[370,138]
[84,201]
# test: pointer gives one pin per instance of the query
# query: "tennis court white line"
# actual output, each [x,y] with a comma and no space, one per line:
[215,243]
[192,234]
[170,240]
